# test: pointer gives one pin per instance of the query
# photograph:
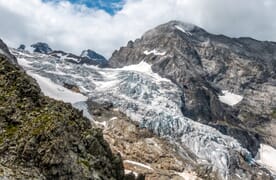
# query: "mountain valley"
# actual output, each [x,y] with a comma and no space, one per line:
[177,103]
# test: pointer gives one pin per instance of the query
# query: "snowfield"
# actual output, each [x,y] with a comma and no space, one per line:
[49,88]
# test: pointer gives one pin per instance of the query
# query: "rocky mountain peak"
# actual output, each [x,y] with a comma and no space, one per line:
[92,55]
[89,56]
[21,47]
[41,47]
[204,65]
[172,28]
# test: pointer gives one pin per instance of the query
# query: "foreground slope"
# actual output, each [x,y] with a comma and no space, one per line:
[42,138]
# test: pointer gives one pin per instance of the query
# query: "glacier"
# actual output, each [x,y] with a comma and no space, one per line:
[154,102]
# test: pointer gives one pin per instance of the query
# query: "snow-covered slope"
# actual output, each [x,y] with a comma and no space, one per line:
[56,91]
[154,102]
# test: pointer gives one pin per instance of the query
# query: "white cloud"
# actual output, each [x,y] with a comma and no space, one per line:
[75,27]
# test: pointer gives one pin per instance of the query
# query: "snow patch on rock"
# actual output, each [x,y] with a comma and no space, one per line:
[267,157]
[188,176]
[137,164]
[183,30]
[155,52]
[145,68]
[230,98]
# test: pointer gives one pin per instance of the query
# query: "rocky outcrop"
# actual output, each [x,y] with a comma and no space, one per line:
[203,65]
[42,138]
[4,50]
[41,47]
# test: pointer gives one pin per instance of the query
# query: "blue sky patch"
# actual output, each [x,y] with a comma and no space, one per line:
[110,6]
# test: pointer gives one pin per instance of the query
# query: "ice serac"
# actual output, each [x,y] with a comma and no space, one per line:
[204,66]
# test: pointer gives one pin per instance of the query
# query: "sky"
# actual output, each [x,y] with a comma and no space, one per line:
[106,25]
[110,6]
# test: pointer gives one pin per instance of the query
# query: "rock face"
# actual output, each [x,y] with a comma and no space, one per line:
[203,65]
[42,138]
[41,47]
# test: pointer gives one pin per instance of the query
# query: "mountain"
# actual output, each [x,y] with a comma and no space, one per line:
[93,58]
[21,47]
[41,47]
[42,138]
[87,57]
[142,117]
[227,83]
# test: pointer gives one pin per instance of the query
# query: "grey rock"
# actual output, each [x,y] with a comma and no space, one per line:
[22,47]
[41,47]
[90,57]
[4,50]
